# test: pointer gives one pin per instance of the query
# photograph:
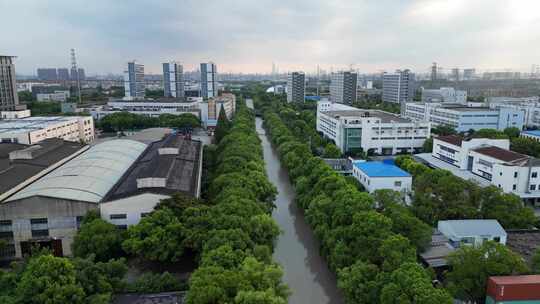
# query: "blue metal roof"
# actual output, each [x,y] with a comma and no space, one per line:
[532,132]
[380,169]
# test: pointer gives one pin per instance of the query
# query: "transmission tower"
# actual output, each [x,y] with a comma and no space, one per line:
[75,70]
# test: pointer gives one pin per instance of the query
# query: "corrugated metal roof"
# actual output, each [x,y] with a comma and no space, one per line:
[89,176]
[465,228]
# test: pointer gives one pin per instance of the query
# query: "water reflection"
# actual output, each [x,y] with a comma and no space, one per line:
[297,250]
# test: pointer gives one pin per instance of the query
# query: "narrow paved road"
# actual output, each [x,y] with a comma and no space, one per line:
[297,250]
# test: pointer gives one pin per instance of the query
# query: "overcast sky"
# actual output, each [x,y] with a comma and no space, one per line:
[248,35]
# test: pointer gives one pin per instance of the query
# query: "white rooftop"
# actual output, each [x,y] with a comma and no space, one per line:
[466,228]
[89,176]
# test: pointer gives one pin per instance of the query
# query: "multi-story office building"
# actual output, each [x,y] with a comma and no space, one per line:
[173,79]
[47,74]
[210,109]
[492,161]
[31,130]
[444,95]
[9,99]
[530,106]
[152,108]
[134,81]
[296,87]
[464,118]
[56,96]
[343,87]
[398,87]
[63,74]
[209,87]
[372,131]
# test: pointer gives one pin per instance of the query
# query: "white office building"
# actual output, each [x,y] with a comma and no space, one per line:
[58,95]
[296,87]
[372,131]
[31,130]
[209,86]
[464,118]
[376,175]
[343,87]
[398,87]
[492,161]
[152,108]
[444,95]
[134,86]
[173,79]
[530,106]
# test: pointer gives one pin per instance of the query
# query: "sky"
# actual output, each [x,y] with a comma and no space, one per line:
[248,35]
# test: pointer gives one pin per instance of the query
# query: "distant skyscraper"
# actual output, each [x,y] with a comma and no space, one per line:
[47,74]
[209,87]
[398,87]
[296,87]
[134,80]
[469,74]
[8,84]
[343,87]
[81,74]
[63,74]
[434,72]
[173,79]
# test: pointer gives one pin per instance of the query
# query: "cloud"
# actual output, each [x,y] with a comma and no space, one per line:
[247,36]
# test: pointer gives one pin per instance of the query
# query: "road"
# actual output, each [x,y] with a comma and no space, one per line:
[297,250]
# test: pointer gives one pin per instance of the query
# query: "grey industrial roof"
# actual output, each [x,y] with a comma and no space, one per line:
[384,116]
[89,176]
[181,170]
[474,227]
[32,123]
[436,254]
[46,153]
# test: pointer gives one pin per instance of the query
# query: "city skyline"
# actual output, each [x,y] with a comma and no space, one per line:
[247,36]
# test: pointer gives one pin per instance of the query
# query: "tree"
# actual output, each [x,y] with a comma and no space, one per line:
[157,237]
[99,238]
[223,126]
[443,130]
[410,283]
[472,266]
[535,263]
[25,96]
[394,251]
[331,151]
[49,279]
[100,280]
[359,283]
[428,145]
[512,132]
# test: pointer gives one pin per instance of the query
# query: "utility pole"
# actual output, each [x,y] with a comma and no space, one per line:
[76,71]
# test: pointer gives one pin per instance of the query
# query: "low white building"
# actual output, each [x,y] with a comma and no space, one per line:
[31,130]
[210,109]
[472,232]
[444,94]
[152,108]
[492,161]
[532,134]
[463,118]
[375,175]
[15,114]
[455,150]
[370,130]
[56,96]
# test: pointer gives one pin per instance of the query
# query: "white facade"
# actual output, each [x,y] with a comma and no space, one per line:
[370,130]
[134,85]
[491,160]
[472,232]
[464,118]
[15,114]
[210,109]
[343,87]
[444,94]
[398,87]
[150,108]
[32,130]
[373,182]
[455,151]
[56,96]
[130,210]
[530,106]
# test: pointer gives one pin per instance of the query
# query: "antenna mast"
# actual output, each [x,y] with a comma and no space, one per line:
[75,70]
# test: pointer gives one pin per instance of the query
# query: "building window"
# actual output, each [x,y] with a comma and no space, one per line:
[39,227]
[145,214]
[515,174]
[6,230]
[397,184]
[533,187]
[514,187]
[78,222]
[497,239]
[121,227]
[534,175]
[118,216]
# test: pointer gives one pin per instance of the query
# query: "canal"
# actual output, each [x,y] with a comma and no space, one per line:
[297,250]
